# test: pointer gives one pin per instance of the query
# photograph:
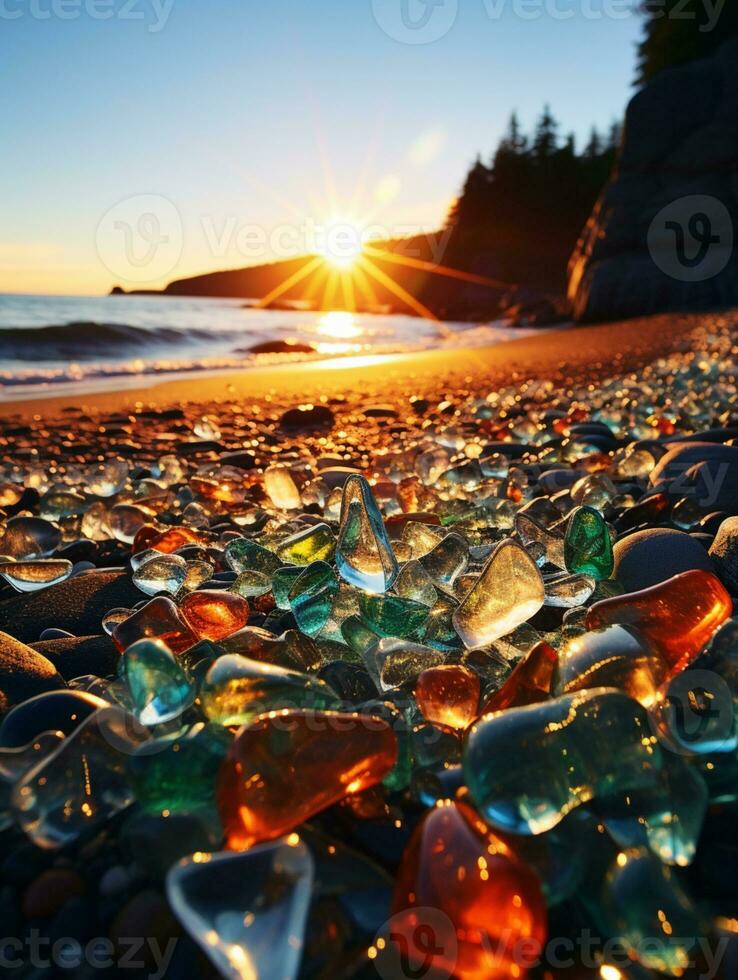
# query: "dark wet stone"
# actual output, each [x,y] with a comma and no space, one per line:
[77,551]
[242,460]
[307,419]
[54,634]
[682,457]
[77,605]
[645,558]
[50,891]
[277,347]
[55,711]
[715,484]
[350,681]
[78,655]
[712,522]
[24,672]
[336,476]
[724,552]
[554,480]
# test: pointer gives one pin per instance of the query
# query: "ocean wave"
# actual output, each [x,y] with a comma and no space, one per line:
[86,340]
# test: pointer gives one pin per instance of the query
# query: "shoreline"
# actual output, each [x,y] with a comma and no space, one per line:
[591,353]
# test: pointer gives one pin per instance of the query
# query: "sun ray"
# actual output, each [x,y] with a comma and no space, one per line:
[290,281]
[381,276]
[436,269]
[347,287]
[330,290]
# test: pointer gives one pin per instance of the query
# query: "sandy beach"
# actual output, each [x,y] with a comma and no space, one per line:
[588,353]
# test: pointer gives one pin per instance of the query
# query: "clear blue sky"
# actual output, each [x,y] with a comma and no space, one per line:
[239,111]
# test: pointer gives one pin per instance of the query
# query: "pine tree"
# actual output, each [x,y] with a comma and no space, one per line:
[594,146]
[545,138]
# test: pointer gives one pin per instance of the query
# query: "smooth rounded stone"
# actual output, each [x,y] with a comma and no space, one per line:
[29,537]
[35,576]
[146,915]
[336,476]
[648,557]
[77,605]
[715,485]
[724,553]
[711,523]
[51,890]
[55,711]
[74,656]
[24,672]
[682,457]
[307,419]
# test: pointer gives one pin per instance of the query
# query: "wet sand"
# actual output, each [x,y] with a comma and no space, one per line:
[575,354]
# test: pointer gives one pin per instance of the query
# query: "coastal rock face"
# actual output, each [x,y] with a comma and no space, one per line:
[650,245]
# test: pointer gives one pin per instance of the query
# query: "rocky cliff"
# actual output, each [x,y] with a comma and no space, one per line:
[663,233]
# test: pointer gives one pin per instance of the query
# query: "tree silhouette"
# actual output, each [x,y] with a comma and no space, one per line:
[678,31]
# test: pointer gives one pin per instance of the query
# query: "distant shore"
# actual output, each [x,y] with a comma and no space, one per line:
[584,353]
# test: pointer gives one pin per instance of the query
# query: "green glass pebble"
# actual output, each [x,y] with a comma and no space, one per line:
[390,615]
[159,688]
[311,597]
[364,555]
[237,690]
[587,544]
[282,581]
[315,543]
[438,630]
[415,583]
[358,635]
[177,773]
[243,554]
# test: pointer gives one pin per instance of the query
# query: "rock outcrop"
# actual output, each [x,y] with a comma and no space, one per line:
[663,234]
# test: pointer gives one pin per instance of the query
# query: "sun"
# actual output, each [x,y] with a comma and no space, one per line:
[340,241]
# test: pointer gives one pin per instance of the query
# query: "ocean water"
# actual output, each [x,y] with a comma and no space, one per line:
[51,344]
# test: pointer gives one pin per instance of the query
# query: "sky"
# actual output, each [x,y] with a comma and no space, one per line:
[147,140]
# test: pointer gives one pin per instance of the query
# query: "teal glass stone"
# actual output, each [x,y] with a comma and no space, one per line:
[176,774]
[390,615]
[667,818]
[311,597]
[237,690]
[159,688]
[314,543]
[246,911]
[638,897]
[564,756]
[251,584]
[438,630]
[364,555]
[243,554]
[282,581]
[587,544]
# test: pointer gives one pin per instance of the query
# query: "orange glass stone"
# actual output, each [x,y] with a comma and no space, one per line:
[175,538]
[144,536]
[290,765]
[448,696]
[493,917]
[157,620]
[529,683]
[214,615]
[679,616]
